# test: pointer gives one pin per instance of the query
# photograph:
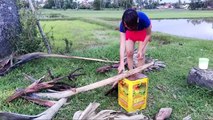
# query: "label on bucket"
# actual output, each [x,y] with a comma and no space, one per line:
[139,95]
[123,93]
[132,95]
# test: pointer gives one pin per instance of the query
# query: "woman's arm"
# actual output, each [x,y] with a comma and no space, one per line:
[122,51]
[147,38]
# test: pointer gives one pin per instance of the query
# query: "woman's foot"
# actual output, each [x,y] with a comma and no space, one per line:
[163,113]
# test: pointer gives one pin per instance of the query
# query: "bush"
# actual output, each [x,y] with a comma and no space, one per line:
[85,6]
[29,39]
[97,5]
[115,5]
[49,4]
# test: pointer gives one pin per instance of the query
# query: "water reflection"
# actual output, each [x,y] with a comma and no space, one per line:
[196,28]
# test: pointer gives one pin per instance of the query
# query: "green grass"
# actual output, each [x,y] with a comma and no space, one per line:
[99,40]
[80,33]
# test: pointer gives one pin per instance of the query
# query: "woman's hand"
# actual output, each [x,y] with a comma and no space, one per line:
[140,55]
[121,69]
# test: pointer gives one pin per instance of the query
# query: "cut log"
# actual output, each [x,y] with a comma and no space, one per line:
[92,86]
[202,78]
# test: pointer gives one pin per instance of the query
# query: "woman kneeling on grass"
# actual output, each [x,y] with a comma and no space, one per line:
[135,27]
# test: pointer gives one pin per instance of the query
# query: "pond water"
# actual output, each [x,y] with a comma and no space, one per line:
[195,28]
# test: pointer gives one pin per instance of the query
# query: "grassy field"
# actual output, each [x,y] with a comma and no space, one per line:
[81,34]
[113,14]
[96,38]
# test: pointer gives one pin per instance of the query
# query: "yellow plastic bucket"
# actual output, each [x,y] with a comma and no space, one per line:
[132,95]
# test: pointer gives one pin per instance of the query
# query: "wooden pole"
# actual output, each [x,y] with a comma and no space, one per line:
[95,85]
[50,113]
[46,43]
[30,56]
[81,58]
[4,68]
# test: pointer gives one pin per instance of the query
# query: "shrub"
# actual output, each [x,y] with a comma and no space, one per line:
[29,39]
[97,5]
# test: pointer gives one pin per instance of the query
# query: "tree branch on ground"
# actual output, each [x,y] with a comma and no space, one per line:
[7,64]
[102,83]
[46,115]
[38,85]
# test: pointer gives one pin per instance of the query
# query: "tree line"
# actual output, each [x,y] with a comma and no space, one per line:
[96,4]
[198,4]
[101,4]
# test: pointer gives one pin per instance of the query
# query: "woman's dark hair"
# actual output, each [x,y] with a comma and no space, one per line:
[130,18]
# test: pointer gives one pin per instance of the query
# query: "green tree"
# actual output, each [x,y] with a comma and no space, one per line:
[97,5]
[126,4]
[139,2]
[66,4]
[196,4]
[49,4]
[108,4]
